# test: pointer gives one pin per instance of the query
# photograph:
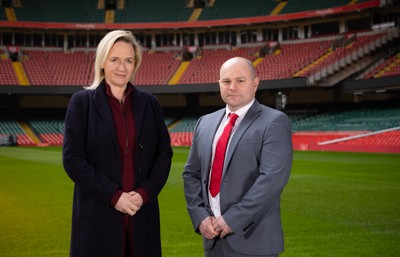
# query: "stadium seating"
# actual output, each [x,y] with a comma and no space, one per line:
[205,69]
[12,127]
[157,68]
[388,67]
[307,5]
[8,76]
[227,9]
[339,53]
[49,131]
[59,68]
[292,58]
[154,11]
[60,11]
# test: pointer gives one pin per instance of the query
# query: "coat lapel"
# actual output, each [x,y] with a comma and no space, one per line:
[138,105]
[104,110]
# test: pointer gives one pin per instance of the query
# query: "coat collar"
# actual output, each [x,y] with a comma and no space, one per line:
[101,102]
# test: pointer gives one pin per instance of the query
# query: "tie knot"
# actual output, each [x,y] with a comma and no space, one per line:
[232,118]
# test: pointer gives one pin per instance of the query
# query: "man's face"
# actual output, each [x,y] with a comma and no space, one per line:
[237,84]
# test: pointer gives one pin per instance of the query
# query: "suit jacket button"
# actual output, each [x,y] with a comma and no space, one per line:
[141,146]
[140,170]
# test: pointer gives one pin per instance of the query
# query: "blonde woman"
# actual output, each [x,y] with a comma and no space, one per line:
[117,152]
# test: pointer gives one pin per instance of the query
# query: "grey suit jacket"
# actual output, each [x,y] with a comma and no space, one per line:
[256,169]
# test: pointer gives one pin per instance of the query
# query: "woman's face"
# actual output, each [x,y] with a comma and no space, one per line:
[120,64]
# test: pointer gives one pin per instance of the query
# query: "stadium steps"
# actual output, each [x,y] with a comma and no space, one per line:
[195,14]
[389,67]
[20,73]
[121,4]
[257,61]
[278,8]
[178,74]
[100,4]
[110,16]
[17,3]
[303,71]
[28,131]
[10,14]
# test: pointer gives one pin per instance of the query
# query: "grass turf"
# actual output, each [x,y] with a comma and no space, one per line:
[335,204]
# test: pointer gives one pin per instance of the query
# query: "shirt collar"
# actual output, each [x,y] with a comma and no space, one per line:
[240,112]
[128,89]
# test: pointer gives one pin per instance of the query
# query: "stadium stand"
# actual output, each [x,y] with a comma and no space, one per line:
[12,127]
[8,76]
[58,68]
[60,11]
[307,5]
[303,57]
[49,131]
[227,9]
[157,67]
[205,68]
[388,67]
[291,58]
[160,11]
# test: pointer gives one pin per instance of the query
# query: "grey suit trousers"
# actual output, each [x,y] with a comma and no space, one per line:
[223,249]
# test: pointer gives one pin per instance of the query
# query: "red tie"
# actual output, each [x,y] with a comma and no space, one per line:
[219,156]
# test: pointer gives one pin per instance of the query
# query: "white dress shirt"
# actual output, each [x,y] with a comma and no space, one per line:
[214,201]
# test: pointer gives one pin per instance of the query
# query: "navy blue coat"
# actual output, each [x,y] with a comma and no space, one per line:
[91,159]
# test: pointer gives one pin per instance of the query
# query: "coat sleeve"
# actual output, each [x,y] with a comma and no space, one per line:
[74,153]
[155,160]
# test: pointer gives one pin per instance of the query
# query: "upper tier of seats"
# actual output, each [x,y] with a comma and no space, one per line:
[156,10]
[306,5]
[298,58]
[153,11]
[228,9]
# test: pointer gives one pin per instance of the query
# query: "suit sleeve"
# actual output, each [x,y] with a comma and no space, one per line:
[193,183]
[274,167]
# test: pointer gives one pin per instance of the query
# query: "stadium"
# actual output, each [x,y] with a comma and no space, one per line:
[332,66]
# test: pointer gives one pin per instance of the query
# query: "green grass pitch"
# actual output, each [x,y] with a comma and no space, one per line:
[335,204]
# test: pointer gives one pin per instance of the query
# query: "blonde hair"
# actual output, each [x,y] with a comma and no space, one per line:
[103,49]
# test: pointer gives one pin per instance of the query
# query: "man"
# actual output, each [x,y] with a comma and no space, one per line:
[239,215]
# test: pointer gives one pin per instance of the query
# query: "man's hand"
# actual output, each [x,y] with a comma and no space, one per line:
[206,228]
[221,227]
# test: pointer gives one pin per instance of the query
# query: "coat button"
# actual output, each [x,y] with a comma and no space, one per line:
[140,170]
[141,146]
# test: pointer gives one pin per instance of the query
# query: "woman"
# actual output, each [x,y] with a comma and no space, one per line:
[117,152]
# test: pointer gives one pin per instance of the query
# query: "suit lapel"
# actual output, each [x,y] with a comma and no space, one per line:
[211,125]
[248,119]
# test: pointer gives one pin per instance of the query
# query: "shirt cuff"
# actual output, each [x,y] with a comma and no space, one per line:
[143,194]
